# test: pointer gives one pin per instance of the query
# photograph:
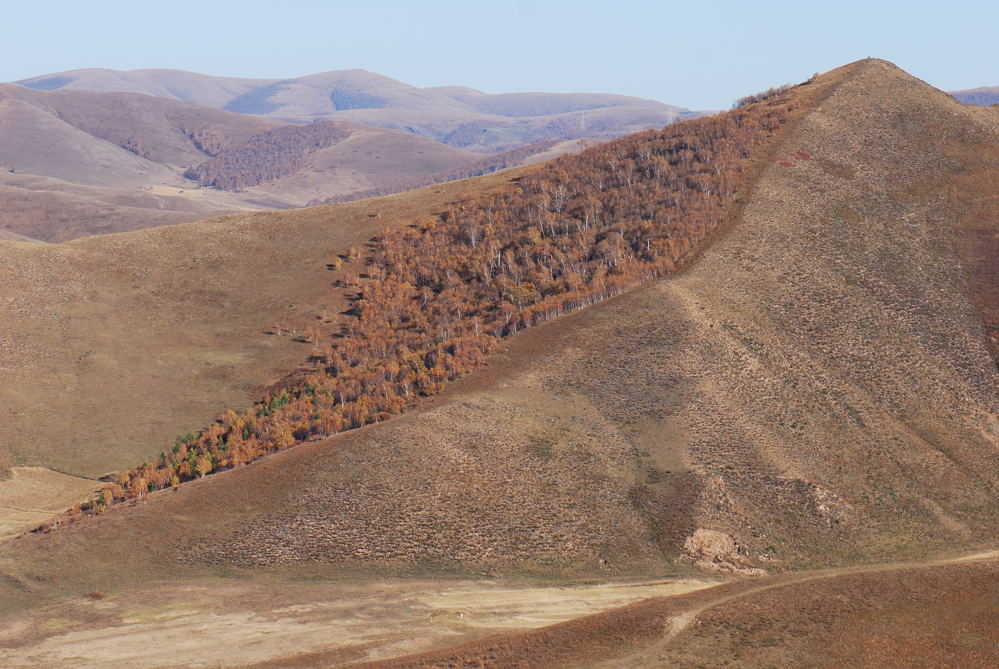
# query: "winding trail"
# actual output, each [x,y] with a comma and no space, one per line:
[682,621]
[631,636]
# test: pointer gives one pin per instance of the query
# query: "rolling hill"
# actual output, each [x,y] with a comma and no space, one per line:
[76,163]
[99,151]
[816,388]
[457,116]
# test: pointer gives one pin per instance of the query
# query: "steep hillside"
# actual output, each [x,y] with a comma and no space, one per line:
[439,296]
[786,446]
[799,397]
[123,304]
[986,95]
[815,389]
[457,116]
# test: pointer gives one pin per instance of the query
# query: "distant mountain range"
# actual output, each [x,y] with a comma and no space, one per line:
[455,115]
[77,163]
[985,95]
[96,151]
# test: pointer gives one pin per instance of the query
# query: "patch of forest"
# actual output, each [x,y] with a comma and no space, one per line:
[267,156]
[439,295]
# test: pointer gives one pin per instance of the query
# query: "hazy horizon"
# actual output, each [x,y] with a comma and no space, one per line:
[672,52]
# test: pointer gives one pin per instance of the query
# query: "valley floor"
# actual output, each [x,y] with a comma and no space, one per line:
[877,615]
[943,613]
[210,625]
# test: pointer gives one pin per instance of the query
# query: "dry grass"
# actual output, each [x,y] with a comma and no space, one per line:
[943,616]
[31,495]
[195,625]
[113,346]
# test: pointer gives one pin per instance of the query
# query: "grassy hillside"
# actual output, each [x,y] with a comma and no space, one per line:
[815,389]
[819,405]
[440,295]
[130,340]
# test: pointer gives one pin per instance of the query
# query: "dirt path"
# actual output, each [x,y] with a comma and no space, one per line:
[226,624]
[639,635]
[682,621]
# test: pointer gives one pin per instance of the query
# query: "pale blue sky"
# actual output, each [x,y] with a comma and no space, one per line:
[695,54]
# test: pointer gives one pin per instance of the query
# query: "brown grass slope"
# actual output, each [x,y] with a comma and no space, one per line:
[112,346]
[816,390]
